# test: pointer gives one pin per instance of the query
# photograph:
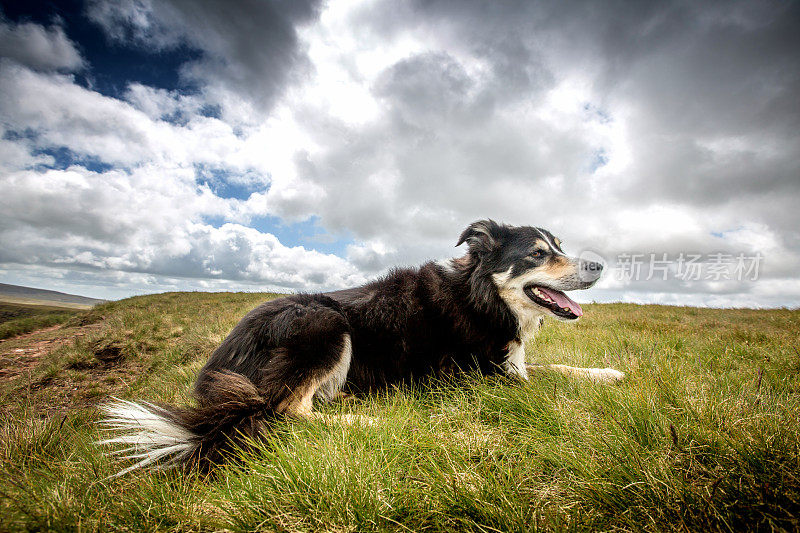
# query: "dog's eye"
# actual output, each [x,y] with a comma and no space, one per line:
[537,253]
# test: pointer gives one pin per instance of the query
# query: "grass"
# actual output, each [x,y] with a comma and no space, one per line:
[19,318]
[702,436]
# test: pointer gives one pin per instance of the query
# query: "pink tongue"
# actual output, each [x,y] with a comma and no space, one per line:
[563,300]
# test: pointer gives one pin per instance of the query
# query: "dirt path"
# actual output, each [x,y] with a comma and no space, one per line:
[21,355]
[23,352]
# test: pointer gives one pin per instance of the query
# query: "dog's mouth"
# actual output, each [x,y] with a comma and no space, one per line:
[555,301]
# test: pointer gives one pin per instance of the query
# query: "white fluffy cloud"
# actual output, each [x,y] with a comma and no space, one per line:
[38,47]
[147,214]
[141,222]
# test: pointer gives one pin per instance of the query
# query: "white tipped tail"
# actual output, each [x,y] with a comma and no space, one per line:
[151,436]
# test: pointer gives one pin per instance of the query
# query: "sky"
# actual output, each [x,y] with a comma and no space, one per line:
[298,145]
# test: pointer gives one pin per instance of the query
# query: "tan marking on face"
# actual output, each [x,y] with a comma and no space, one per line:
[541,244]
[559,266]
[557,241]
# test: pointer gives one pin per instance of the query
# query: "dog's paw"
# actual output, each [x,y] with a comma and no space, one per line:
[606,375]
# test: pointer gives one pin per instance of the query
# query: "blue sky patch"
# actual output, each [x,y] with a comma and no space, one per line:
[229,184]
[599,159]
[112,65]
[63,158]
[308,233]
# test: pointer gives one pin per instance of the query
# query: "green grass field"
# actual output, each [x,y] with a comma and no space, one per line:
[702,435]
[18,317]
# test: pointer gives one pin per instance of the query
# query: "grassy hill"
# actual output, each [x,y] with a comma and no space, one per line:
[17,318]
[25,309]
[29,295]
[702,435]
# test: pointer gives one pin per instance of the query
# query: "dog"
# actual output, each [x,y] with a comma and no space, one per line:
[473,313]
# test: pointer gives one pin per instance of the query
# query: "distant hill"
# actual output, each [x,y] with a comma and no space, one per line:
[30,295]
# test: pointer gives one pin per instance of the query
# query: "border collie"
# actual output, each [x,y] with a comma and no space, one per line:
[471,313]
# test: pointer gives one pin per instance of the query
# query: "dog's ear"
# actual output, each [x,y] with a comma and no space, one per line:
[480,236]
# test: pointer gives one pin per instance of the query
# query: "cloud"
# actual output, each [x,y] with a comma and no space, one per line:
[139,222]
[146,212]
[62,113]
[643,128]
[163,129]
[38,47]
[249,49]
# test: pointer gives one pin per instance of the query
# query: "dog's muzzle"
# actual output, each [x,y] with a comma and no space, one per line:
[555,300]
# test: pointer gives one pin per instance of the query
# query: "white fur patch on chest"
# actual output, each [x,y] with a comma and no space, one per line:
[514,365]
[529,318]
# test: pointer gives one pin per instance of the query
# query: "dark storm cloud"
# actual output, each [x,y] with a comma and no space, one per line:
[692,73]
[428,88]
[250,47]
[709,93]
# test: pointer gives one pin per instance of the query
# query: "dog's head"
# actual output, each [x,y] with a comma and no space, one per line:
[529,268]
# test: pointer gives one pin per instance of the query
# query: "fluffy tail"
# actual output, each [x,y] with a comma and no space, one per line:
[164,436]
[150,432]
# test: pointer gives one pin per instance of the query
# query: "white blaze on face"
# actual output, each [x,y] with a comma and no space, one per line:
[528,314]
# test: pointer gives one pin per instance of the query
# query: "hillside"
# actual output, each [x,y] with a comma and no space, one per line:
[29,295]
[20,318]
[701,436]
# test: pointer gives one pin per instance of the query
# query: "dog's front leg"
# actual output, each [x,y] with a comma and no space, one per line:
[514,365]
[348,419]
[598,375]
